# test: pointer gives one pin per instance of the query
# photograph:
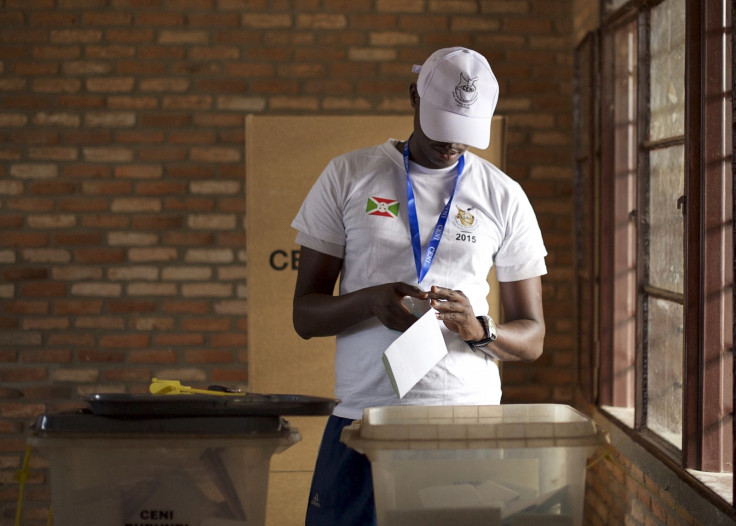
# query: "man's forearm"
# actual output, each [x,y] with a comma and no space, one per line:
[327,315]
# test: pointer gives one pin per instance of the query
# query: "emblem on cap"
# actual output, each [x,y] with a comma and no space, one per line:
[465,91]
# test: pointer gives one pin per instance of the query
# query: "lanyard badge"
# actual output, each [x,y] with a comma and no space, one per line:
[423,264]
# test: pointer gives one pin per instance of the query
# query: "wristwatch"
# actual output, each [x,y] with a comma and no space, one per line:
[489,328]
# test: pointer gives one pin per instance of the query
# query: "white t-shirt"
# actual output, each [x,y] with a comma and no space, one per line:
[357,210]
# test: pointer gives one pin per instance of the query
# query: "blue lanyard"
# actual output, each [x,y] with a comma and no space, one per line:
[423,265]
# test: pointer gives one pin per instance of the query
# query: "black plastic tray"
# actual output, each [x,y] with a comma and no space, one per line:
[85,423]
[200,405]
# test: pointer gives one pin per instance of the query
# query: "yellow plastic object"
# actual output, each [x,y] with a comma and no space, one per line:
[174,387]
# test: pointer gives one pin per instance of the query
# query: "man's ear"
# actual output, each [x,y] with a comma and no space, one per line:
[413,94]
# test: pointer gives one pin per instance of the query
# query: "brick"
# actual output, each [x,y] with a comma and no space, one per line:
[214,53]
[208,356]
[185,306]
[27,411]
[240,103]
[77,307]
[99,322]
[183,37]
[215,187]
[158,222]
[103,187]
[7,356]
[43,289]
[101,289]
[46,356]
[56,85]
[151,289]
[79,375]
[179,339]
[159,19]
[235,339]
[11,221]
[453,6]
[188,205]
[507,7]
[78,238]
[75,36]
[135,204]
[152,357]
[19,239]
[231,308]
[212,221]
[124,102]
[465,23]
[82,205]
[110,84]
[34,171]
[266,20]
[152,254]
[372,54]
[114,155]
[7,290]
[214,255]
[398,6]
[321,21]
[294,103]
[110,119]
[130,36]
[168,85]
[50,187]
[393,38]
[132,238]
[24,273]
[52,221]
[125,341]
[64,119]
[22,374]
[21,338]
[99,255]
[127,375]
[210,290]
[8,120]
[186,273]
[215,154]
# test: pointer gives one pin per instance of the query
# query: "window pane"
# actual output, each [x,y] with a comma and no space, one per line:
[625,198]
[666,222]
[664,370]
[667,70]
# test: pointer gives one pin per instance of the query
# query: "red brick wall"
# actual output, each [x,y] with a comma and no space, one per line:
[122,244]
[618,492]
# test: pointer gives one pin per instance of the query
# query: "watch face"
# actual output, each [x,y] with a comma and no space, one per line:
[491,328]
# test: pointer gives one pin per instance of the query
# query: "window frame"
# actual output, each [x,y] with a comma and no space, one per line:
[707,339]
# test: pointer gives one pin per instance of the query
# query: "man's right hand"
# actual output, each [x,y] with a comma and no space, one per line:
[387,304]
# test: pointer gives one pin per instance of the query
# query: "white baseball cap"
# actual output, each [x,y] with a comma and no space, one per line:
[458,96]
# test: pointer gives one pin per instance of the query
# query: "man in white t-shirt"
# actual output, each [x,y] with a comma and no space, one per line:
[427,219]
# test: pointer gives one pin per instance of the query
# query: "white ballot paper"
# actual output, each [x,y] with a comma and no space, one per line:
[414,353]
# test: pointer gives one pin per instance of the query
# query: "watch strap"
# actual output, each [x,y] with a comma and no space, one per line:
[489,328]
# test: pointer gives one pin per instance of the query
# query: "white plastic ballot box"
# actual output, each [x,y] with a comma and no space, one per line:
[512,465]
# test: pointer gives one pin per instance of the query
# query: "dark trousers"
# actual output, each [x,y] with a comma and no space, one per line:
[342,485]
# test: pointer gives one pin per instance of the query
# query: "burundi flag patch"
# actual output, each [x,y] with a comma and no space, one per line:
[379,206]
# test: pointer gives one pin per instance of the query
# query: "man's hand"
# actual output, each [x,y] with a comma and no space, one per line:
[386,304]
[454,309]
